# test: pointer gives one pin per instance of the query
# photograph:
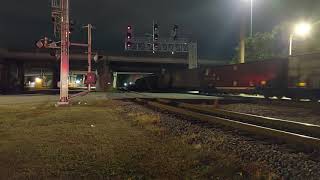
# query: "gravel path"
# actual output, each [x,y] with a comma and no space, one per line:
[285,163]
[289,113]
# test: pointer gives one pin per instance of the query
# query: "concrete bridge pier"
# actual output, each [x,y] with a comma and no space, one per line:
[12,77]
[103,76]
[20,77]
[3,77]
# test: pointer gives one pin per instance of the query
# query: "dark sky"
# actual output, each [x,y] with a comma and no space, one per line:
[213,23]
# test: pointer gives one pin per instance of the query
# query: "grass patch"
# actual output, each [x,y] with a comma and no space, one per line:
[93,139]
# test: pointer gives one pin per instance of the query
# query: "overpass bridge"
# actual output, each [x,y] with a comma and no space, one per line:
[45,56]
[14,65]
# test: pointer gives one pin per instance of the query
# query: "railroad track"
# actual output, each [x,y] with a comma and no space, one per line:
[230,99]
[289,132]
[279,102]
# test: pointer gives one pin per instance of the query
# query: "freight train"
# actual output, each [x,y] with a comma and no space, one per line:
[294,77]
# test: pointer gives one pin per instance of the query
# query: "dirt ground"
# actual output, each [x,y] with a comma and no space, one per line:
[96,139]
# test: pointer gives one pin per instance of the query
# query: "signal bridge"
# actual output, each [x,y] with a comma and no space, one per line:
[162,45]
[154,43]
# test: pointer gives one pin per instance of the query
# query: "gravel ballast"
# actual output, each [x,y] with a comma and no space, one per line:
[283,162]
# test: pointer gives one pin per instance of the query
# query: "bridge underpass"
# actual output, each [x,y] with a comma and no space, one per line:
[124,79]
[15,64]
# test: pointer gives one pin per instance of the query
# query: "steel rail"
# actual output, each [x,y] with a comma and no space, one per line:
[279,102]
[280,124]
[281,135]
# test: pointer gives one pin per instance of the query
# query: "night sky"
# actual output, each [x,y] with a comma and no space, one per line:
[213,23]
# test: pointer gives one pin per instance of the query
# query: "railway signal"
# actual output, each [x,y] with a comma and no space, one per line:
[155,32]
[72,26]
[40,44]
[129,38]
[175,32]
[155,37]
[129,33]
[91,80]
[153,43]
[47,43]
[62,24]
[97,57]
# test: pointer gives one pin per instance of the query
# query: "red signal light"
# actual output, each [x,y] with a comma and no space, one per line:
[129,35]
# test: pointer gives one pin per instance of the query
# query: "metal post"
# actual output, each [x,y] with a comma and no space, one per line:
[193,56]
[89,51]
[153,48]
[290,44]
[242,41]
[115,80]
[65,42]
[251,28]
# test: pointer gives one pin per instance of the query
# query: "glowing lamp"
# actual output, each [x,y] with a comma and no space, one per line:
[302,29]
[302,84]
[38,80]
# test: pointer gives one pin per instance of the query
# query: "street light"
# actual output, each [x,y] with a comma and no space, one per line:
[302,29]
[242,33]
[251,16]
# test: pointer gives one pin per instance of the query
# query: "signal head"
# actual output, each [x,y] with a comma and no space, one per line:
[129,35]
[156,37]
[129,44]
[156,27]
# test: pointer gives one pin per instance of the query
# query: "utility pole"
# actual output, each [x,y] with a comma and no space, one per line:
[60,18]
[251,18]
[193,56]
[290,44]
[89,51]
[242,44]
[65,43]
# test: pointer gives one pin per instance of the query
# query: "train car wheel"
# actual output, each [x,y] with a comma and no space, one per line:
[296,99]
[267,95]
[279,97]
[314,99]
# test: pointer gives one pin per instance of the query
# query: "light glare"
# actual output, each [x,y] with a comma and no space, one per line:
[302,29]
[38,80]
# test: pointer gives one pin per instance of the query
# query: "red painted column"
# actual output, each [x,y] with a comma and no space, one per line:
[65,42]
